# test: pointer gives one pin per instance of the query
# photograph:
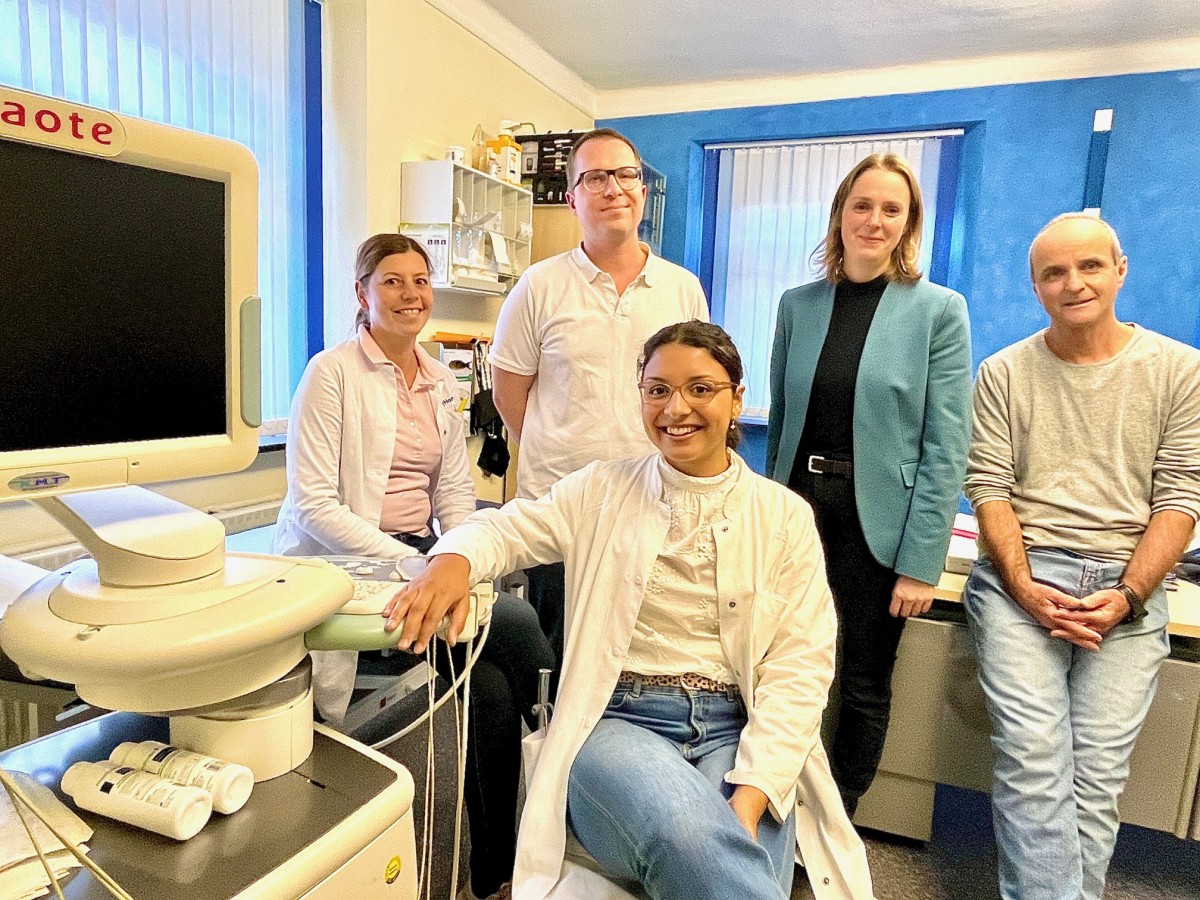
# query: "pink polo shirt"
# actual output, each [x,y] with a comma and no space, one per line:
[417,458]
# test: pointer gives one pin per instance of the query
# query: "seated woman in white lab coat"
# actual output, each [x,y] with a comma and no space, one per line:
[376,449]
[685,751]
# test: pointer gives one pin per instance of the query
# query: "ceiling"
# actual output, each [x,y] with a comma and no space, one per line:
[618,46]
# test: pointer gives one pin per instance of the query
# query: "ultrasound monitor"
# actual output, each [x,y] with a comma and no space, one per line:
[128,277]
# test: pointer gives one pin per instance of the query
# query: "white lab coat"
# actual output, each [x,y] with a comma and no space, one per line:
[608,523]
[340,442]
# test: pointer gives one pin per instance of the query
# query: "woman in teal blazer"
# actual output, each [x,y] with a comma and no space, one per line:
[870,422]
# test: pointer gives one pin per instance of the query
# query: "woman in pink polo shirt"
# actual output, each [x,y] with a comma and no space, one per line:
[376,452]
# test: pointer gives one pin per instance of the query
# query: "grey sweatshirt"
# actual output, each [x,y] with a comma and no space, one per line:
[1086,453]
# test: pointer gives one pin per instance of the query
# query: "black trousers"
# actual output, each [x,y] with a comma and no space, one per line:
[548,595]
[503,692]
[869,635]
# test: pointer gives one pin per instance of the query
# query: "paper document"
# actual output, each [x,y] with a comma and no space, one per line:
[21,872]
[500,249]
[963,547]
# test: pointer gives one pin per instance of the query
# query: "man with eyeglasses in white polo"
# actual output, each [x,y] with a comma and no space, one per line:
[564,356]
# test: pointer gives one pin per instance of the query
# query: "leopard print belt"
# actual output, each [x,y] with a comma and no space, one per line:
[688,680]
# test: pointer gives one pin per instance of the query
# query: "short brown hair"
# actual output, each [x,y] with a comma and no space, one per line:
[375,250]
[593,135]
[831,252]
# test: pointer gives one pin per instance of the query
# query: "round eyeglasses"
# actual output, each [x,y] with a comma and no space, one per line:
[596,180]
[694,393]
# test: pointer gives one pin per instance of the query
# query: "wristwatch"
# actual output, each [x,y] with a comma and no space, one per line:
[1137,606]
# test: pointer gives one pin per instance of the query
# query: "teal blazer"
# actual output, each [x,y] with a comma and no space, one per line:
[912,414]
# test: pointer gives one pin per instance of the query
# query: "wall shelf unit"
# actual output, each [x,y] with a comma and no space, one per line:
[477,228]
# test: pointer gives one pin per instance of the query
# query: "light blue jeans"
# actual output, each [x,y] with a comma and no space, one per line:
[1064,721]
[647,799]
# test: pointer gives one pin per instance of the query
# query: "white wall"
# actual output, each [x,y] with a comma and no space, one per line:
[403,81]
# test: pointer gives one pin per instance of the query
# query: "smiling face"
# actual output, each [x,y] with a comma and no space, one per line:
[873,222]
[611,215]
[398,298]
[1075,275]
[691,437]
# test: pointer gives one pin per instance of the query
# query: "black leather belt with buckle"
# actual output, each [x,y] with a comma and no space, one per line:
[822,466]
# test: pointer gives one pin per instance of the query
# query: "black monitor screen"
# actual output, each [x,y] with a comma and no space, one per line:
[112,301]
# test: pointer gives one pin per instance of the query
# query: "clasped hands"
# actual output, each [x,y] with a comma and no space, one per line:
[1082,621]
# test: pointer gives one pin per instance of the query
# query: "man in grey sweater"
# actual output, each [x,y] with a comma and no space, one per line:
[1084,472]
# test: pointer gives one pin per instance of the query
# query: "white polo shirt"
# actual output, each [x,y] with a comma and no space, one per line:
[565,323]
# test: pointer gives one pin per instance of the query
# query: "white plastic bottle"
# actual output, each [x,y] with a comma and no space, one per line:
[138,798]
[229,783]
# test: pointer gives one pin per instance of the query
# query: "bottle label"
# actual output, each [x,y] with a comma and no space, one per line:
[185,767]
[142,786]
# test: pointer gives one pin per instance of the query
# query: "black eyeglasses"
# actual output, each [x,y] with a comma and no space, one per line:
[694,393]
[596,180]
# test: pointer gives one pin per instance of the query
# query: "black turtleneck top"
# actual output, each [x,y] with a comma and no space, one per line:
[829,425]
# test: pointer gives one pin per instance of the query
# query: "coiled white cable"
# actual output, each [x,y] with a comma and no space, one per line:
[461,732]
[416,723]
[460,736]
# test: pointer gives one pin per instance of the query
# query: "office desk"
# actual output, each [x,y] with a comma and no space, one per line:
[940,732]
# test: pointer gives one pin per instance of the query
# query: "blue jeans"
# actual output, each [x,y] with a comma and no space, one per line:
[1064,721]
[647,798]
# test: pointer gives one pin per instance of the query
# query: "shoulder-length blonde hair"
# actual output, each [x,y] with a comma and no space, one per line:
[831,252]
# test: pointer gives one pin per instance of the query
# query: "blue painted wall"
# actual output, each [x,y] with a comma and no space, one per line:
[753,448]
[1024,160]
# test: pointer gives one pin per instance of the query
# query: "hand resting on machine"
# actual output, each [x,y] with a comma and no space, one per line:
[419,607]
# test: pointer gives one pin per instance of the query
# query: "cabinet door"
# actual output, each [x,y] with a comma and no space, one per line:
[555,230]
[1162,770]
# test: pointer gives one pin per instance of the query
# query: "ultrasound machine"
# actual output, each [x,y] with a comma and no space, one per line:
[130,338]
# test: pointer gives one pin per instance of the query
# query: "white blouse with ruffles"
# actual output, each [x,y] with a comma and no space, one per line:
[677,629]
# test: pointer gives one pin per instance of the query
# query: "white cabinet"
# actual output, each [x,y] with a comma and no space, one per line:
[477,228]
[940,733]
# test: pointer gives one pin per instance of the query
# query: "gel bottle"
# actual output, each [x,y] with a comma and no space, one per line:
[138,798]
[229,783]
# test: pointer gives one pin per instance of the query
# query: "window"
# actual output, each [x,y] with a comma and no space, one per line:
[772,209]
[230,68]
